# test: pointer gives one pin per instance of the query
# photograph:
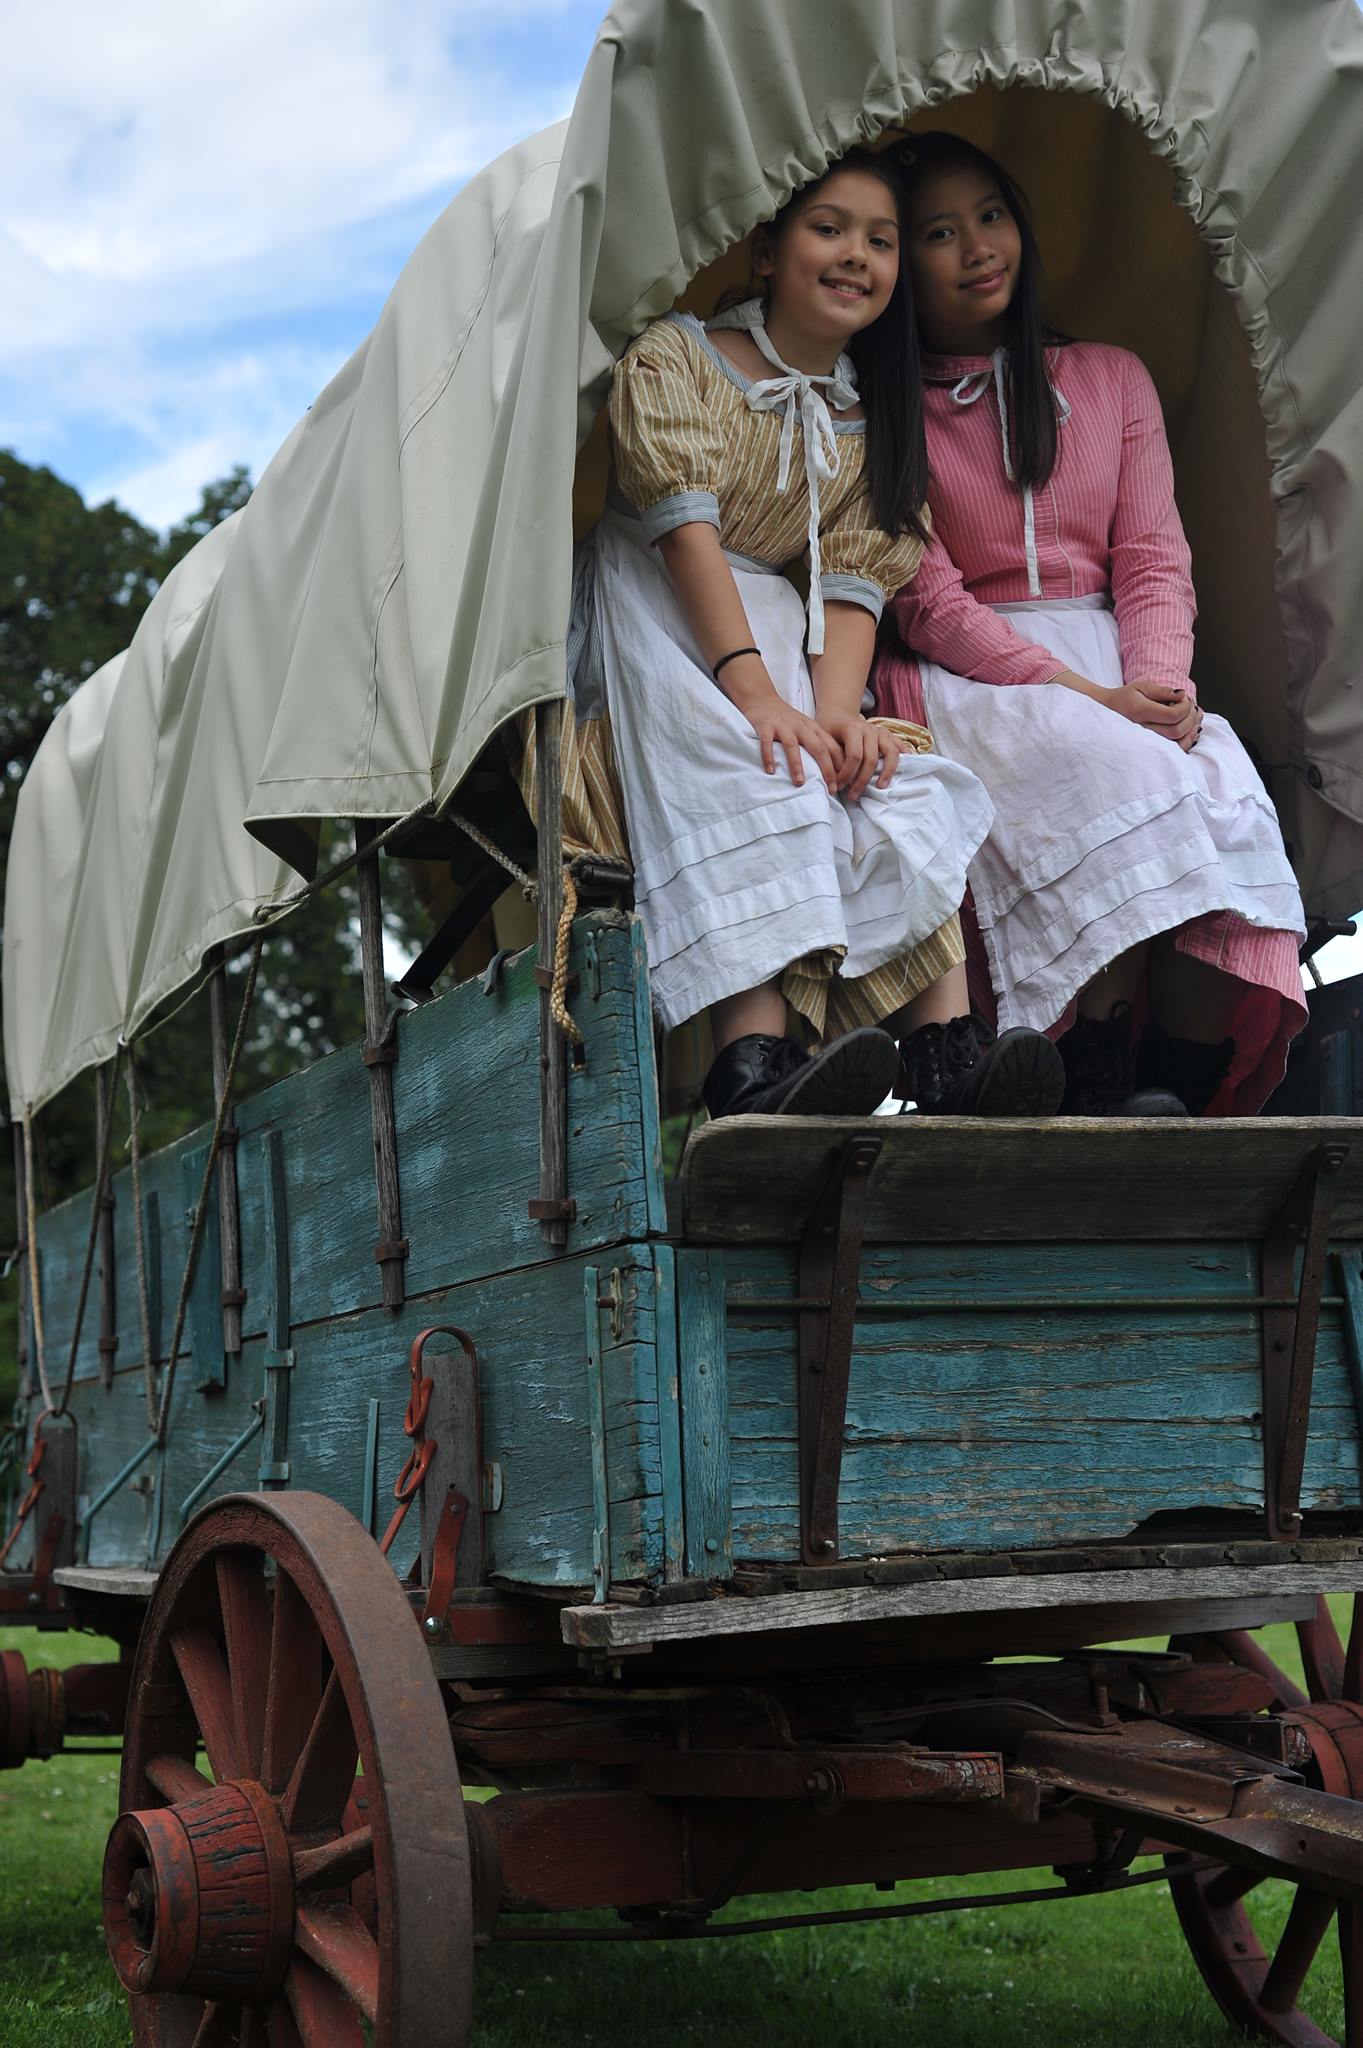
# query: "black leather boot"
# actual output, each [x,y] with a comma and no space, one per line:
[962,1069]
[763,1076]
[1193,1071]
[1097,1055]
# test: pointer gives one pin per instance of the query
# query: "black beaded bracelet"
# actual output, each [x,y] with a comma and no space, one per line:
[725,659]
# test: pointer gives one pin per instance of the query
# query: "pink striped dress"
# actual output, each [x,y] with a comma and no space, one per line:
[1105,833]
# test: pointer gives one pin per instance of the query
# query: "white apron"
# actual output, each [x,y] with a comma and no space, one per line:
[738,873]
[1104,833]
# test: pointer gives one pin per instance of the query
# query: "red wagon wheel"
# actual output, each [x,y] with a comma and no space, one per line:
[1258,1990]
[283,1901]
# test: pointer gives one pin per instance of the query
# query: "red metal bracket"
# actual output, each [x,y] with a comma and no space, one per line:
[445,1555]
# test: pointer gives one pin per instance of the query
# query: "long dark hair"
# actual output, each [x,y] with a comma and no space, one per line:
[1035,443]
[888,371]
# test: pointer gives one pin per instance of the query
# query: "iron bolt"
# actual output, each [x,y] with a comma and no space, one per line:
[434,1627]
[824,1546]
[818,1783]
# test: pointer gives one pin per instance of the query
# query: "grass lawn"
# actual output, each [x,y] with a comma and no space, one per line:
[1083,1973]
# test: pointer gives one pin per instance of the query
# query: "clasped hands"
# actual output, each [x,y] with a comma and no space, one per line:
[849,751]
[1164,708]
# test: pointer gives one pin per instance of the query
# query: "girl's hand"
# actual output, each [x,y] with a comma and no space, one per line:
[750,689]
[1170,712]
[778,725]
[869,753]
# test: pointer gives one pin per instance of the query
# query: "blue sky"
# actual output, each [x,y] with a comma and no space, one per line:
[204,209]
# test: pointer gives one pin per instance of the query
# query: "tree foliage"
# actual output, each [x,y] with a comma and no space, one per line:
[74,582]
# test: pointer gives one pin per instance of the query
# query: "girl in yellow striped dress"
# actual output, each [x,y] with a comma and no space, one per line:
[789,852]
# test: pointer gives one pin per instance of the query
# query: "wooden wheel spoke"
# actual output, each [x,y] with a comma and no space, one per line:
[218,2027]
[175,1778]
[281,2029]
[1351,1958]
[294,1686]
[337,1940]
[1227,1887]
[1353,1656]
[324,1776]
[203,1669]
[324,2016]
[335,1863]
[1239,1645]
[246,1630]
[1306,1927]
[1322,1653]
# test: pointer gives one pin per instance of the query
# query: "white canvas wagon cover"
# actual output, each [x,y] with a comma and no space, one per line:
[398,586]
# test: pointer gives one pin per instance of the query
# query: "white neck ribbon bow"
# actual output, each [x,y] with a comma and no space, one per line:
[799,396]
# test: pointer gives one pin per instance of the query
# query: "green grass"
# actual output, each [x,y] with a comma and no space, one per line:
[1084,1973]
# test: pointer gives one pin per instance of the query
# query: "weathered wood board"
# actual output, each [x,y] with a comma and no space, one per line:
[755,1179]
[530,1331]
[467,1120]
[1023,1427]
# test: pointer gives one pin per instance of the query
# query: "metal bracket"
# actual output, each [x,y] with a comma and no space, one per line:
[1289,1334]
[273,1471]
[596,1422]
[829,1272]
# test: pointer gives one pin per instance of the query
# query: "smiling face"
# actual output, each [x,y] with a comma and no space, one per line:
[964,254]
[831,263]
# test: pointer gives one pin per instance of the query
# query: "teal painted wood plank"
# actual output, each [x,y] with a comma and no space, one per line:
[704,1388]
[207,1368]
[530,1333]
[646,1061]
[669,1414]
[976,1430]
[465,1098]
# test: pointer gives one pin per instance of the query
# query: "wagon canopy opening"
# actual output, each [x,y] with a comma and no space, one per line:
[397,589]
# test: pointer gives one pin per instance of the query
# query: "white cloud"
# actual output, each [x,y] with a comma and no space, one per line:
[176,177]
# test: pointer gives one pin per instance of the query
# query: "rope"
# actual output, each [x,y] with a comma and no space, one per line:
[529,886]
[558,1006]
[161,1417]
[139,1237]
[266,913]
[35,1285]
[92,1239]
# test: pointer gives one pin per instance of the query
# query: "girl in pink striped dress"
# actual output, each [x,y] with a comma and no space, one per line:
[1135,870]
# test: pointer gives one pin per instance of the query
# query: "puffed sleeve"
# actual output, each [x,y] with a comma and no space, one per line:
[667,442]
[861,564]
[1152,587]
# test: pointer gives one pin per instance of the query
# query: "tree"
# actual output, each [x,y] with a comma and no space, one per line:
[74,581]
[220,501]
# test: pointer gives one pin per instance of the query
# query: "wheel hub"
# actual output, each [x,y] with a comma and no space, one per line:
[199,1896]
[1334,1730]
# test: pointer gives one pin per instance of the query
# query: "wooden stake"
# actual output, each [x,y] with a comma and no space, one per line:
[108,1301]
[552,1209]
[380,1052]
[229,1212]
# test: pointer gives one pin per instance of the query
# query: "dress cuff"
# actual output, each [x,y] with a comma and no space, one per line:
[853,590]
[683,508]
